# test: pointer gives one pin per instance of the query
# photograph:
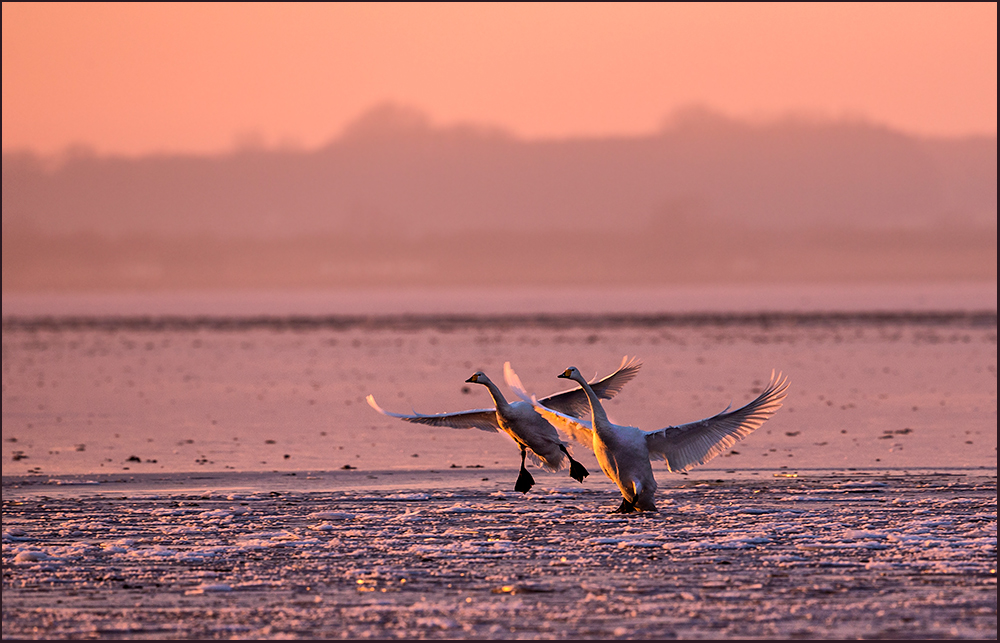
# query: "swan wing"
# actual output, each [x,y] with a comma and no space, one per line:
[688,445]
[482,419]
[575,403]
[575,427]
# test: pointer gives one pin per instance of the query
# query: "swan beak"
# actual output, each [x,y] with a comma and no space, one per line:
[474,379]
[565,374]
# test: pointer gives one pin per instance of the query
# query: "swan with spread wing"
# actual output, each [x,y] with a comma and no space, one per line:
[624,452]
[532,433]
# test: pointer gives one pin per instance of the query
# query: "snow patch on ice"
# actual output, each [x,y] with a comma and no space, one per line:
[60,481]
[209,587]
[331,515]
[413,497]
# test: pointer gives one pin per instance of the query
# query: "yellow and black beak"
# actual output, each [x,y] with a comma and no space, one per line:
[474,379]
[566,374]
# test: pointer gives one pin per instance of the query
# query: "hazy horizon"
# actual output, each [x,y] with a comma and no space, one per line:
[396,201]
[388,114]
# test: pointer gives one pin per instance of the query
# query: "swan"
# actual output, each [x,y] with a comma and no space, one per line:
[624,452]
[520,421]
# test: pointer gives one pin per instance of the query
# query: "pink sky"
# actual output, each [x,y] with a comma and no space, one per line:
[141,78]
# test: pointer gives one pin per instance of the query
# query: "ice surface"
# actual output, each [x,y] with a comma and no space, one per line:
[865,393]
[117,561]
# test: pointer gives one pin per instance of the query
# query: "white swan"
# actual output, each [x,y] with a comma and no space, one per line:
[522,423]
[624,452]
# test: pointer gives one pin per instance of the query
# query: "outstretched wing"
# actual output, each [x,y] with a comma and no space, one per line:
[578,429]
[482,419]
[688,445]
[575,403]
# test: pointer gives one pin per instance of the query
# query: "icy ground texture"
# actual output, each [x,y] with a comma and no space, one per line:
[832,556]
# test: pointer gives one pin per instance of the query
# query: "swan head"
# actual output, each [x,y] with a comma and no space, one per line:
[570,373]
[478,377]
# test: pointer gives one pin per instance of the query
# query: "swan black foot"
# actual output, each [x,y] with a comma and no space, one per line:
[576,470]
[524,481]
[625,507]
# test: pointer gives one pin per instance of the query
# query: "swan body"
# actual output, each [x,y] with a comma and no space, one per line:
[625,452]
[532,433]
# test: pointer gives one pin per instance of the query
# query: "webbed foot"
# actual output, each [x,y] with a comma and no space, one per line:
[524,481]
[577,471]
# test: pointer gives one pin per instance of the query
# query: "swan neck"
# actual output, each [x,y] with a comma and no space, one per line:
[498,397]
[598,415]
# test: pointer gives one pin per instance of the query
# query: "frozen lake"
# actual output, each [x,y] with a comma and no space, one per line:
[851,555]
[215,473]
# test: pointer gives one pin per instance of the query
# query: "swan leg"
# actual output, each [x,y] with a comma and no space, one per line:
[576,470]
[625,507]
[524,479]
